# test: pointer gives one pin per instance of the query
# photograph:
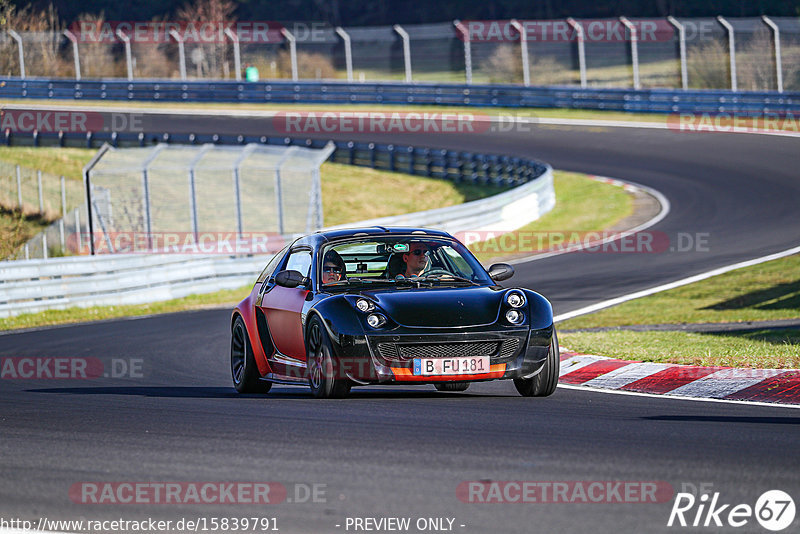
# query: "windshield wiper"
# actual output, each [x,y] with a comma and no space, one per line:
[449,278]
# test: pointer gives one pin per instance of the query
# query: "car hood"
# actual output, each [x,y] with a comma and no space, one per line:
[440,307]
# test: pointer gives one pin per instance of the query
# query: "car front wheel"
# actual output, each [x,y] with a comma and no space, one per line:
[543,384]
[325,377]
[244,371]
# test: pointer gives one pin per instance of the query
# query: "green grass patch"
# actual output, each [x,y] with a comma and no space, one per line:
[767,291]
[582,205]
[779,349]
[52,160]
[223,298]
[358,193]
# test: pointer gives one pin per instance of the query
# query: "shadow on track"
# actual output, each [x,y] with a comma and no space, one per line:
[726,419]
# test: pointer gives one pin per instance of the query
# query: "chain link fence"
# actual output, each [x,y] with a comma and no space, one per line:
[494,51]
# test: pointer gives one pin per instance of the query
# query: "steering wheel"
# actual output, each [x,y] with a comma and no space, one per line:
[437,273]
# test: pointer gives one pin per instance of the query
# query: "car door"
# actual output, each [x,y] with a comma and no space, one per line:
[283,307]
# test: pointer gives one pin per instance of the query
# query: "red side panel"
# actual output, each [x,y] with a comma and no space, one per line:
[247,311]
[283,307]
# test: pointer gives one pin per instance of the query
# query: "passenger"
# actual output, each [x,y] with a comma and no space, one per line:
[333,268]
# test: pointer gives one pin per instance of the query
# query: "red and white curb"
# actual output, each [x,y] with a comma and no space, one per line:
[780,386]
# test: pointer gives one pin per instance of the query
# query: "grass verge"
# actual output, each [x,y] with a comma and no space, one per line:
[778,349]
[763,292]
[582,205]
[16,229]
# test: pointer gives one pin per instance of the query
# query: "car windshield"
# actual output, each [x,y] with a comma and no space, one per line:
[399,260]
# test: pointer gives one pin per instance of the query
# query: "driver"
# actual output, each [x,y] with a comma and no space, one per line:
[333,268]
[416,259]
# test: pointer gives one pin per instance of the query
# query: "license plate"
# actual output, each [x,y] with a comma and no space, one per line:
[471,365]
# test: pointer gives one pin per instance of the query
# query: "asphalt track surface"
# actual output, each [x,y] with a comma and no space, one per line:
[389,452]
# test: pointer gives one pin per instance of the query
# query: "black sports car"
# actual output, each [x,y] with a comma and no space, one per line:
[381,305]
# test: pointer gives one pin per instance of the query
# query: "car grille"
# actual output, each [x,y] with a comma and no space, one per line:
[403,352]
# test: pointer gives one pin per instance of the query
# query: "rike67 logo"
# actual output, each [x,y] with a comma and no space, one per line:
[774,510]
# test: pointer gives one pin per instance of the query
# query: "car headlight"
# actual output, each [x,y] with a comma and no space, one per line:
[515,299]
[376,320]
[364,305]
[514,316]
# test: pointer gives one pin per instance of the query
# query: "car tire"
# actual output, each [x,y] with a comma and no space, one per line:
[324,374]
[544,383]
[244,371]
[451,386]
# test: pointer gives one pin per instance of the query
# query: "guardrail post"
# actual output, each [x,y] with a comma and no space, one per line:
[128,58]
[76,57]
[348,52]
[390,149]
[14,35]
[406,50]
[581,48]
[776,36]
[634,50]
[19,189]
[63,214]
[41,197]
[467,49]
[523,42]
[731,50]
[237,58]
[181,53]
[682,50]
[410,160]
[292,51]
[44,245]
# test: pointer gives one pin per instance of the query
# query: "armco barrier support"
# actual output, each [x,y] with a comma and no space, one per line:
[512,96]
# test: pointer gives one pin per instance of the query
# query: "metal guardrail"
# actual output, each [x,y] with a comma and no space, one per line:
[511,96]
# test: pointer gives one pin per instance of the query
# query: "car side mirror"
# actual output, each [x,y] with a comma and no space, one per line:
[501,271]
[290,279]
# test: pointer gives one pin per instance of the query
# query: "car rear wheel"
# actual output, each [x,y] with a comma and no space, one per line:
[543,384]
[244,370]
[325,377]
[451,386]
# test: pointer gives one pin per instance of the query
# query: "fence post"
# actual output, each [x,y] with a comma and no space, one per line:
[278,191]
[523,42]
[41,198]
[581,48]
[348,52]
[731,50]
[237,58]
[467,49]
[192,190]
[634,50]
[181,53]
[128,59]
[87,183]
[78,229]
[63,214]
[682,50]
[76,57]
[406,50]
[19,189]
[14,35]
[292,51]
[776,36]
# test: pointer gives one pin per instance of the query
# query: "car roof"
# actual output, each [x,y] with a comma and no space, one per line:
[343,233]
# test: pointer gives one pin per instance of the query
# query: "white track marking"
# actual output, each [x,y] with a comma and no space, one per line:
[672,285]
[576,362]
[660,198]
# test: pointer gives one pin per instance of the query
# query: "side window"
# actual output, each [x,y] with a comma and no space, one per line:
[270,268]
[300,261]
